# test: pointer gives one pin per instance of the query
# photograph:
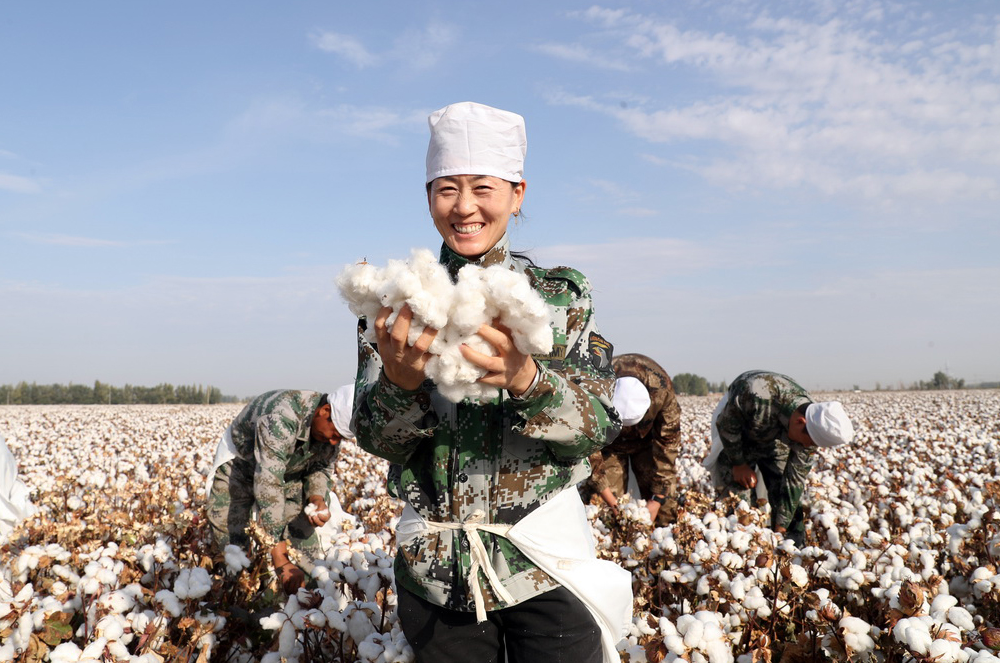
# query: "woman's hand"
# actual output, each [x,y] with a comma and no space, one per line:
[509,369]
[290,576]
[745,476]
[321,515]
[402,363]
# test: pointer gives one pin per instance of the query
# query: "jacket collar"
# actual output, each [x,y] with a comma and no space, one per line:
[498,255]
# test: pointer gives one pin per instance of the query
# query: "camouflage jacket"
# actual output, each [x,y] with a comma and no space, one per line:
[272,434]
[505,457]
[660,427]
[754,424]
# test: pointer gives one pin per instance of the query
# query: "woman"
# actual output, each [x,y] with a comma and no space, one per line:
[470,471]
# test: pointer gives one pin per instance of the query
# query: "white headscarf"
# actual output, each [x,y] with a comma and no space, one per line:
[631,400]
[828,424]
[341,409]
[472,139]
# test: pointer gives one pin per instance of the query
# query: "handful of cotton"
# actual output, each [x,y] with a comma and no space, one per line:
[457,310]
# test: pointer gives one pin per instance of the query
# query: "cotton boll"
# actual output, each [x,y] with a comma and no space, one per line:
[914,634]
[286,640]
[961,618]
[95,650]
[856,634]
[941,604]
[236,558]
[945,651]
[359,625]
[117,601]
[169,601]
[192,583]
[66,652]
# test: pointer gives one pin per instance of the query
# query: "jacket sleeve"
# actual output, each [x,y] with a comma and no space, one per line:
[666,443]
[570,409]
[274,443]
[730,423]
[793,483]
[319,477]
[388,421]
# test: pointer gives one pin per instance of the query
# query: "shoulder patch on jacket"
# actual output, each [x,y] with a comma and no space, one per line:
[600,351]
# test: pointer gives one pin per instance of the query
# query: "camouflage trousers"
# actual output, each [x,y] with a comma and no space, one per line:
[231,504]
[772,468]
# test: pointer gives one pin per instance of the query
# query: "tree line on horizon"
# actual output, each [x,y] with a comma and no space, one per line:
[24,393]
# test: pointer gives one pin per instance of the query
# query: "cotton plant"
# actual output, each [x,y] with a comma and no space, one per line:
[914,506]
[480,296]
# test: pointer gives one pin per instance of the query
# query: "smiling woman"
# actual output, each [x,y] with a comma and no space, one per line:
[489,486]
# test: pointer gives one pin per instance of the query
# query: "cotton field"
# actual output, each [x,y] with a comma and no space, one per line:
[901,561]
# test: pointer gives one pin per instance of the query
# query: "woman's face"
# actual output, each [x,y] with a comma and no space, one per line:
[471,211]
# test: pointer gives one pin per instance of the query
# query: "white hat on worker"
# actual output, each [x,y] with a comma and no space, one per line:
[828,424]
[631,400]
[341,409]
[472,139]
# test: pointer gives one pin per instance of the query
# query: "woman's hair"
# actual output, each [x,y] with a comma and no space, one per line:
[802,409]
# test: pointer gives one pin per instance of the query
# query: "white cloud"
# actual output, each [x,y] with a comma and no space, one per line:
[346,46]
[422,49]
[293,116]
[613,189]
[18,184]
[582,55]
[414,48]
[839,104]
[638,211]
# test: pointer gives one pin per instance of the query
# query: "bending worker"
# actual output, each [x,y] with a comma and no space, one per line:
[650,439]
[279,456]
[768,422]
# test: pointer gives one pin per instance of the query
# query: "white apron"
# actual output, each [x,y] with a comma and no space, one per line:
[713,455]
[15,504]
[225,452]
[556,537]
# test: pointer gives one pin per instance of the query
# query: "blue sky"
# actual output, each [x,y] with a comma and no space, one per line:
[807,187]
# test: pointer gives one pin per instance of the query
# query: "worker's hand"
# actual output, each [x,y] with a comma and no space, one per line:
[402,363]
[291,578]
[780,530]
[610,499]
[745,476]
[509,369]
[321,515]
[653,508]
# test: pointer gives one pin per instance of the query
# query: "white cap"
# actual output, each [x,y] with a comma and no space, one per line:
[631,400]
[828,424]
[472,139]
[341,409]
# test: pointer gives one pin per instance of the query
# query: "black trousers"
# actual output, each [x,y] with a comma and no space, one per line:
[552,627]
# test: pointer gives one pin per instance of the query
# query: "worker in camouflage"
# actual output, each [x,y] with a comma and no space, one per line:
[505,457]
[283,453]
[649,446]
[767,422]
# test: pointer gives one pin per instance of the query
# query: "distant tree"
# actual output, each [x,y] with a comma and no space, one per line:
[691,384]
[101,393]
